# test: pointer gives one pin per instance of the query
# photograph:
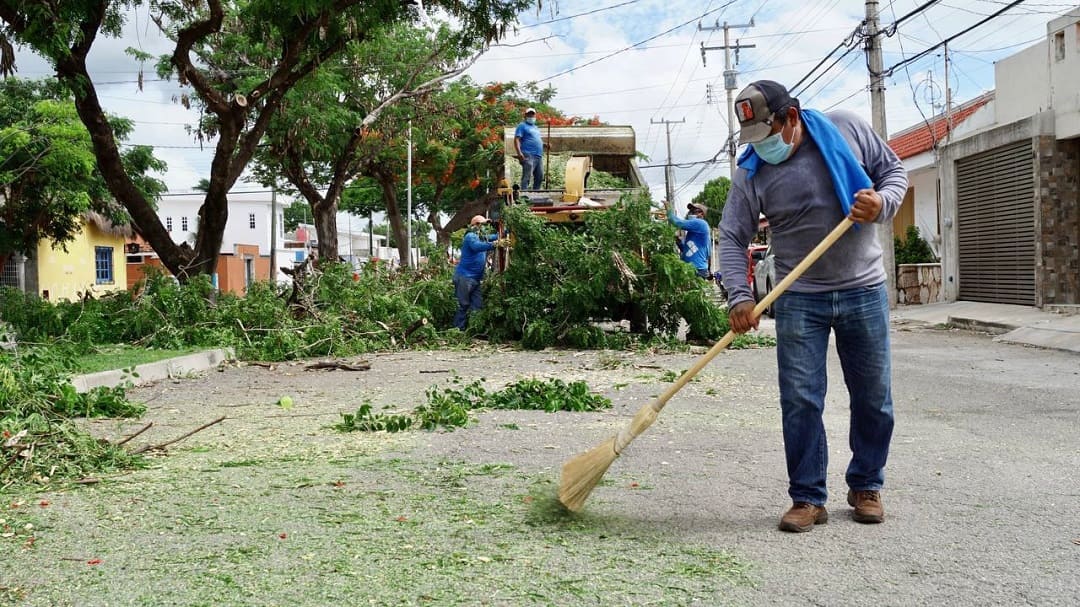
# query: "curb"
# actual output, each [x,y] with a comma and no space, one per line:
[151,372]
[994,328]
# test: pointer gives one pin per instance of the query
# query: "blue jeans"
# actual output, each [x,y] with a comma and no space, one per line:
[860,319]
[467,292]
[531,167]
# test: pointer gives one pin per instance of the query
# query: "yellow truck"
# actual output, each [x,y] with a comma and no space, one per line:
[572,153]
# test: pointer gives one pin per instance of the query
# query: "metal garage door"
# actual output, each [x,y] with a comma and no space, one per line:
[995,224]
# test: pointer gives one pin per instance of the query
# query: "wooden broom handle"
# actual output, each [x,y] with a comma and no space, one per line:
[644,418]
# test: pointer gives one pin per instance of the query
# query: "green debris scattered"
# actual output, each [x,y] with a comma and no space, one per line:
[451,407]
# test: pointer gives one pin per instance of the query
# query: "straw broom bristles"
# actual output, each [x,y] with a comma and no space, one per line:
[582,473]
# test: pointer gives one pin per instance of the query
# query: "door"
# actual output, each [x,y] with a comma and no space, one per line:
[995,223]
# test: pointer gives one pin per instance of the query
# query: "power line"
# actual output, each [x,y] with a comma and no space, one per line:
[889,71]
[594,11]
[637,44]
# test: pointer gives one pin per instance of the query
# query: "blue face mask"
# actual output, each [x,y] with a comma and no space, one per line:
[773,149]
[530,120]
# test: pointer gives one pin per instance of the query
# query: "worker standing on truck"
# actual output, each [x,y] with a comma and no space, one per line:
[694,248]
[530,151]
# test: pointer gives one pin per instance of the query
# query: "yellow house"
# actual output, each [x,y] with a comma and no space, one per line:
[94,262]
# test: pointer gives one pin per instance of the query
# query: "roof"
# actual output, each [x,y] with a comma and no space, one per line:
[923,137]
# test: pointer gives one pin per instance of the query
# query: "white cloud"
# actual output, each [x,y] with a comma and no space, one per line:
[661,79]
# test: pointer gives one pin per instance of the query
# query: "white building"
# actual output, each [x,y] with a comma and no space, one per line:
[248,224]
[999,191]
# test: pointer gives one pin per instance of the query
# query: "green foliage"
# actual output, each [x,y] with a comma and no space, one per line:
[366,421]
[913,248]
[714,196]
[36,404]
[344,314]
[450,407]
[547,395]
[48,171]
[619,264]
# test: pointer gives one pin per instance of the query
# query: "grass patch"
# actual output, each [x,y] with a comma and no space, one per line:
[107,358]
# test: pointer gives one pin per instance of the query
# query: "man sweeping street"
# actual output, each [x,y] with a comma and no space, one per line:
[805,171]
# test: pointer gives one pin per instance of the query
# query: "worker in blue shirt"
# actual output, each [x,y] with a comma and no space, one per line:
[695,246]
[530,151]
[470,269]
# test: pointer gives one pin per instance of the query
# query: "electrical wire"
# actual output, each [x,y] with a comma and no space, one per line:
[637,44]
[889,71]
[592,12]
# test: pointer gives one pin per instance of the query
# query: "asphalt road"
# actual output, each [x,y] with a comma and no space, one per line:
[982,493]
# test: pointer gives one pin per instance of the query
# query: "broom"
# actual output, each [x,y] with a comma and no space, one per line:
[581,473]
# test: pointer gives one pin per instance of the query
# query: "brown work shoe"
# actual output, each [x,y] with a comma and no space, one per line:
[802,517]
[867,505]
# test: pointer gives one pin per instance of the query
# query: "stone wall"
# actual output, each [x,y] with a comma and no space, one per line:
[1057,268]
[918,283]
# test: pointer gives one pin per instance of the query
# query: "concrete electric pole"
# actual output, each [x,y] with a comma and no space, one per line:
[729,79]
[669,174]
[877,112]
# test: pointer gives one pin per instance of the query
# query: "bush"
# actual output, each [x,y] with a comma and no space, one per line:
[913,248]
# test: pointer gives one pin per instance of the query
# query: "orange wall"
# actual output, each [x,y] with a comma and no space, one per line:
[230,269]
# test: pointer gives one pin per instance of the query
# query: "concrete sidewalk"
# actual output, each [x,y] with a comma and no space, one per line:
[149,372]
[1010,323]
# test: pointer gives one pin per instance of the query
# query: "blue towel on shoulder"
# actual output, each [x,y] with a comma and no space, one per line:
[847,174]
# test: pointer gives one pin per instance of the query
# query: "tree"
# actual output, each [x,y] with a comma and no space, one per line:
[714,196]
[296,213]
[350,120]
[48,171]
[240,59]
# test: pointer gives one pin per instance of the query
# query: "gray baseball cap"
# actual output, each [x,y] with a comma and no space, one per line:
[755,106]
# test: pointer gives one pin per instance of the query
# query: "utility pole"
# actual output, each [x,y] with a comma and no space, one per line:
[669,175]
[273,233]
[877,113]
[948,96]
[408,189]
[729,79]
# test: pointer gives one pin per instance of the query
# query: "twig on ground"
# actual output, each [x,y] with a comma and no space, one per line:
[361,366]
[140,431]
[145,448]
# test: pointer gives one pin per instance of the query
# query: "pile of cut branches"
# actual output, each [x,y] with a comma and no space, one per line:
[38,439]
[564,279]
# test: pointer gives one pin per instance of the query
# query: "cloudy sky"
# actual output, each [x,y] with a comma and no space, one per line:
[639,62]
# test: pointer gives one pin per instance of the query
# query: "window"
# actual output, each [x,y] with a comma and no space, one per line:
[183,224]
[103,265]
[9,274]
[251,220]
[1059,46]
[168,224]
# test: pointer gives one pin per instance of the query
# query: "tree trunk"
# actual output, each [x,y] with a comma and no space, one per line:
[393,213]
[325,218]
[462,217]
[178,259]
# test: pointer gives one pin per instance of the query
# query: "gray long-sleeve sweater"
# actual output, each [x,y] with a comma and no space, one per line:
[798,199]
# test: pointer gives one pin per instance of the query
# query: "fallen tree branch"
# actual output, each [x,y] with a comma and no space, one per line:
[361,366]
[145,448]
[141,430]
[420,322]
